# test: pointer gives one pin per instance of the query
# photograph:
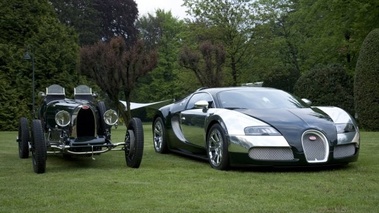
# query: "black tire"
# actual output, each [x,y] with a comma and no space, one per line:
[23,138]
[134,142]
[39,149]
[159,136]
[217,148]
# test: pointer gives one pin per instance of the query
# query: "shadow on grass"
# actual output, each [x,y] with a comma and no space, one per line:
[268,169]
[59,163]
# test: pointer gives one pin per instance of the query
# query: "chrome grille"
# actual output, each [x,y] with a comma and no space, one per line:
[344,151]
[271,153]
[315,146]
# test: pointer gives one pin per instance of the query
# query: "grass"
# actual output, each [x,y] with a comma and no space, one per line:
[172,183]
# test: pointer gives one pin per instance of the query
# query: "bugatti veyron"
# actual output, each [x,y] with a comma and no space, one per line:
[255,126]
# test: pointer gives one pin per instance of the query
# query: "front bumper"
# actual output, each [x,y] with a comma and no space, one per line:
[84,146]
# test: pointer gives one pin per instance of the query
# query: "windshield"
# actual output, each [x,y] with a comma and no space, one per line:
[258,99]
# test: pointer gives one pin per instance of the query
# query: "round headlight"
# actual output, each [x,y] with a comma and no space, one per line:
[110,117]
[62,118]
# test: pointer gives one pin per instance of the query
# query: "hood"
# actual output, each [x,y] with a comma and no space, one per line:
[291,123]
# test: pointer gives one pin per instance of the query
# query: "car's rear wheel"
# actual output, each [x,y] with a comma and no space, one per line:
[134,141]
[217,148]
[159,136]
[39,150]
[23,138]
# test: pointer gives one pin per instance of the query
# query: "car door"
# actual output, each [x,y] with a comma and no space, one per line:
[192,119]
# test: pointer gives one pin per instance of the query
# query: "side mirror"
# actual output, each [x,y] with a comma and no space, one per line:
[308,102]
[202,105]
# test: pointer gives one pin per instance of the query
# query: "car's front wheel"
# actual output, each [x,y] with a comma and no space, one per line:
[217,148]
[23,138]
[39,150]
[159,136]
[134,141]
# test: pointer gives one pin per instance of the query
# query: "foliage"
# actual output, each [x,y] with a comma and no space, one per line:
[282,79]
[31,26]
[116,68]
[165,33]
[96,20]
[206,63]
[336,31]
[227,22]
[327,86]
[82,16]
[366,88]
[279,43]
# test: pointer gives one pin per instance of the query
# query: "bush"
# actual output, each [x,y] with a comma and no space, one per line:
[283,79]
[366,90]
[327,86]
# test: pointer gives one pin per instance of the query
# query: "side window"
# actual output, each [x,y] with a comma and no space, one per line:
[199,97]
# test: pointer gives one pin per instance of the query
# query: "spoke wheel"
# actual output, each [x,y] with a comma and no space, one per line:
[159,136]
[134,142]
[39,150]
[217,148]
[23,138]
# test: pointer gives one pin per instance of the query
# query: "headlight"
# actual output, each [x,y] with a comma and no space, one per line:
[261,130]
[344,128]
[110,117]
[62,118]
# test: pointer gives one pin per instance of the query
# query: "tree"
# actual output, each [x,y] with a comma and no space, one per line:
[279,39]
[206,63]
[117,19]
[233,21]
[82,16]
[32,26]
[334,30]
[116,68]
[96,20]
[163,32]
[366,91]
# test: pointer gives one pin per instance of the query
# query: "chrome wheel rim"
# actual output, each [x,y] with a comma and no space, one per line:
[158,136]
[215,142]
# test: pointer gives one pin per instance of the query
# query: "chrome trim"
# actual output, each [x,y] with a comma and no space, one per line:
[317,150]
[75,113]
[65,148]
[242,143]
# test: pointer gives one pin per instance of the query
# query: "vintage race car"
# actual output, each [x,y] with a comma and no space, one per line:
[80,126]
[255,126]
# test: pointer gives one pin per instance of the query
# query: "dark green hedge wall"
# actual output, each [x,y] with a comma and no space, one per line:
[366,84]
[327,85]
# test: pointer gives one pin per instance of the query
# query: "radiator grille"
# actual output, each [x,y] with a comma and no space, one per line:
[344,151]
[315,146]
[271,153]
[85,123]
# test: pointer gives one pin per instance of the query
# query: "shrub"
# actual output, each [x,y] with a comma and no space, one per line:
[327,85]
[283,79]
[366,90]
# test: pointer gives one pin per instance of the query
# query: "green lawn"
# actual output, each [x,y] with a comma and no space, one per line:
[171,183]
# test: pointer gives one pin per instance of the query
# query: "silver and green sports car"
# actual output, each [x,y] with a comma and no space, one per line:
[256,126]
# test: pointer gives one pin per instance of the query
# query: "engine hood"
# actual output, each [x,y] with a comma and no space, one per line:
[291,123]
